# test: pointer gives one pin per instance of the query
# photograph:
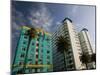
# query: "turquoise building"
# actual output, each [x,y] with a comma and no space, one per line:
[34,52]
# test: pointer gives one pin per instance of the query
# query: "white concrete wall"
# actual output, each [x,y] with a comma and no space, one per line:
[84,38]
[75,47]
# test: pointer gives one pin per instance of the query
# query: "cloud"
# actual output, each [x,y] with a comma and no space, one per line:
[17,22]
[74,9]
[15,26]
[38,18]
[41,18]
[58,23]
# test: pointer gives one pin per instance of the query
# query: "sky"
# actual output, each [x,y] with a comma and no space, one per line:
[49,16]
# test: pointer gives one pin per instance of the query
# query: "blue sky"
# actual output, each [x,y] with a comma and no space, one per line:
[49,16]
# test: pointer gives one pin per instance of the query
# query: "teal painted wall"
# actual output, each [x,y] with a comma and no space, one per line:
[29,49]
[21,49]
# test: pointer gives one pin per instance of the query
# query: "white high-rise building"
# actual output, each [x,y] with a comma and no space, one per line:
[86,44]
[72,57]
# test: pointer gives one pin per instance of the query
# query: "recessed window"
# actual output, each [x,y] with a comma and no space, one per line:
[36,62]
[22,55]
[37,44]
[37,50]
[37,39]
[23,49]
[38,34]
[25,37]
[26,33]
[48,57]
[30,63]
[48,62]
[71,66]
[20,63]
[40,61]
[70,61]
[29,59]
[24,42]
[30,70]
[48,51]
[47,39]
[36,56]
[69,52]
[32,43]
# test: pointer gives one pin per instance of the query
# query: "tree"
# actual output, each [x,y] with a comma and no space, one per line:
[93,58]
[31,33]
[62,46]
[85,59]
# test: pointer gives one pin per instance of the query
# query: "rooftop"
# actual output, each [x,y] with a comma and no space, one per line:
[84,29]
[37,29]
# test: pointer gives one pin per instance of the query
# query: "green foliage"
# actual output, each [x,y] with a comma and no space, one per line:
[62,44]
[85,59]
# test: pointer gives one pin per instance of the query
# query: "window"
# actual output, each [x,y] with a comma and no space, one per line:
[26,33]
[37,44]
[70,66]
[37,50]
[30,70]
[23,49]
[24,42]
[40,61]
[69,52]
[38,34]
[22,55]
[48,51]
[48,57]
[20,63]
[25,37]
[36,62]
[70,61]
[47,39]
[29,59]
[32,43]
[48,62]
[37,39]
[30,63]
[36,56]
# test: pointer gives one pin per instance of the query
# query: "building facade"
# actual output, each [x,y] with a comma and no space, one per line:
[86,44]
[33,54]
[70,59]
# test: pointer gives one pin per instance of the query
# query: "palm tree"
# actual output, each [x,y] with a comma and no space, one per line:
[93,58]
[31,33]
[62,46]
[85,59]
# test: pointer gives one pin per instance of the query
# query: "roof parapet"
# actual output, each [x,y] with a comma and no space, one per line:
[67,19]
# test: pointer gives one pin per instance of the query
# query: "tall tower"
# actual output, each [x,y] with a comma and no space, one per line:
[85,41]
[70,59]
[86,45]
[33,53]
